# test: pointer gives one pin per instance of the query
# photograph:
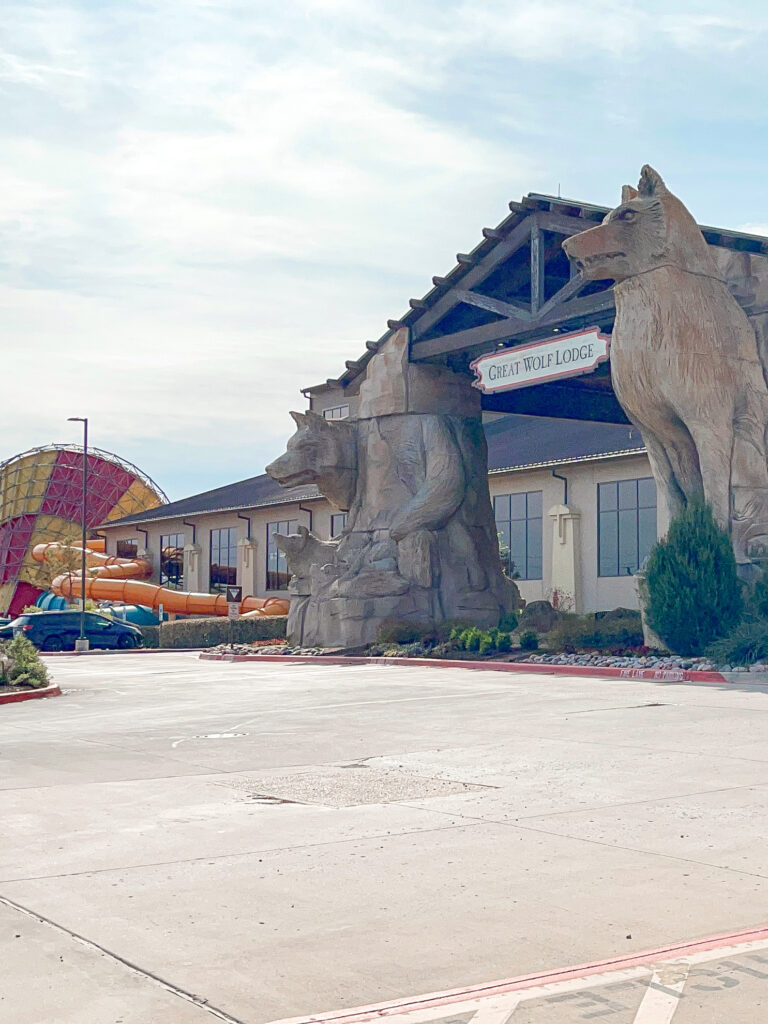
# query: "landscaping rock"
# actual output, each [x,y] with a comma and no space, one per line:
[539,615]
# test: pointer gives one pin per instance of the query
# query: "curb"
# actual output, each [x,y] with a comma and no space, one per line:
[45,691]
[455,997]
[664,675]
[130,650]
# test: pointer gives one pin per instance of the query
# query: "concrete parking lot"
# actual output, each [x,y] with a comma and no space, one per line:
[189,841]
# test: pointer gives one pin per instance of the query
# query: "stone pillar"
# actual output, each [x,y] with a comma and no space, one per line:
[566,557]
[193,568]
[248,549]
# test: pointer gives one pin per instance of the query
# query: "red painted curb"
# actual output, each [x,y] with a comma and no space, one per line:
[667,675]
[130,650]
[14,698]
[457,996]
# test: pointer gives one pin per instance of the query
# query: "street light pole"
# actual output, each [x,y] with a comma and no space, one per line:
[82,643]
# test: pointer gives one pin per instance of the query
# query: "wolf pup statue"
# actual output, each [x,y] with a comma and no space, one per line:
[420,542]
[684,360]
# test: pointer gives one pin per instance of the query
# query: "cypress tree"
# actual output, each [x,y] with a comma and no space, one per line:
[694,594]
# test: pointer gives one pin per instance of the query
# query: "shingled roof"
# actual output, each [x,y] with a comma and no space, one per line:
[514,442]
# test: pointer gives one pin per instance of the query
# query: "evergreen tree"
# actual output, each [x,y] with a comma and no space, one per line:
[694,595]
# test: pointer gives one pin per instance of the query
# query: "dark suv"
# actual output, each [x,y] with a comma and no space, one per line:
[57,631]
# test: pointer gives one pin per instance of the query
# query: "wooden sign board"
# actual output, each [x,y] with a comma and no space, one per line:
[567,355]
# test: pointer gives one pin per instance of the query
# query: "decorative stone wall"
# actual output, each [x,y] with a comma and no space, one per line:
[411,470]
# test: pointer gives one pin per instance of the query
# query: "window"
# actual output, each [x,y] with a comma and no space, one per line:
[223,559]
[277,567]
[337,412]
[172,561]
[626,525]
[518,524]
[338,522]
[127,549]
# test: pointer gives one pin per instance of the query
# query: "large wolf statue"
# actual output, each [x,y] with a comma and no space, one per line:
[420,543]
[684,360]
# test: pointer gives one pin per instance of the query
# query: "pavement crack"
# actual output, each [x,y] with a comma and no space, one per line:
[146,975]
[252,853]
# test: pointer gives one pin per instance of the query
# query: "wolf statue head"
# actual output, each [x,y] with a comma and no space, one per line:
[321,452]
[651,228]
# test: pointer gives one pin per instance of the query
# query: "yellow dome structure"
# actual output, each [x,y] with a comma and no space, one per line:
[41,501]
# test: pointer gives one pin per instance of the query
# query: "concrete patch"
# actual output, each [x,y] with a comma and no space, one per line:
[350,786]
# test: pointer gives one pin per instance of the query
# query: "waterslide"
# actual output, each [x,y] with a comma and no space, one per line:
[120,579]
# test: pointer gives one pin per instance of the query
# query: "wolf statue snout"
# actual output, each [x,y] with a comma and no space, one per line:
[685,363]
[420,542]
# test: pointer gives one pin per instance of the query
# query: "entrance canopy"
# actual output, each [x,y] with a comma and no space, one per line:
[517,286]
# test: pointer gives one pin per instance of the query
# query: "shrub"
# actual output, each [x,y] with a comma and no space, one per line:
[590,632]
[393,632]
[503,642]
[529,641]
[211,631]
[21,664]
[744,645]
[471,638]
[508,622]
[694,596]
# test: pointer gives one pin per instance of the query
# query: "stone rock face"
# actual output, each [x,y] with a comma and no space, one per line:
[685,362]
[420,542]
[539,615]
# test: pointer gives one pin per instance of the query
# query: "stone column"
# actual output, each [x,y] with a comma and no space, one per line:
[248,550]
[566,556]
[193,569]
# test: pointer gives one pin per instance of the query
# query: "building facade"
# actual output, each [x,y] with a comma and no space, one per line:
[574,503]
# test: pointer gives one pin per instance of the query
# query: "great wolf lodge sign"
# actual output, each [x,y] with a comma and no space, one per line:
[568,355]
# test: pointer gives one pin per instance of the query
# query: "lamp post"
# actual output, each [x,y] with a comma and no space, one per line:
[81,644]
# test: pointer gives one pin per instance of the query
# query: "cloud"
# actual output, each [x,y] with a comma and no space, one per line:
[205,206]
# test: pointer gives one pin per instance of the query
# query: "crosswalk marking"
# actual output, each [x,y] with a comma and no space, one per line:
[662,997]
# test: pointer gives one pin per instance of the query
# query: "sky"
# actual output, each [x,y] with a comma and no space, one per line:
[206,205]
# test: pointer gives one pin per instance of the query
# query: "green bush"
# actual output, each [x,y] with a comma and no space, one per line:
[21,664]
[393,632]
[529,641]
[744,645]
[508,622]
[597,631]
[211,631]
[694,595]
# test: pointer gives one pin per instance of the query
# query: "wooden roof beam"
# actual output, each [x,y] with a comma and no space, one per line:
[500,330]
[474,275]
[510,310]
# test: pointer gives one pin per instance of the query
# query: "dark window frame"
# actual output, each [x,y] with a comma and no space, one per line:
[618,516]
[336,527]
[278,575]
[172,541]
[225,572]
[336,412]
[126,548]
[533,569]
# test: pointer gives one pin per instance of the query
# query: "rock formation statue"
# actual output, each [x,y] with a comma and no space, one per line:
[684,359]
[420,543]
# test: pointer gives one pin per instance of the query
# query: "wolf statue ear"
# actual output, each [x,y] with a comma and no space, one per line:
[627,193]
[299,418]
[651,182]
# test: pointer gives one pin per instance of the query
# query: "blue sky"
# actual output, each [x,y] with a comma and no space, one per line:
[205,206]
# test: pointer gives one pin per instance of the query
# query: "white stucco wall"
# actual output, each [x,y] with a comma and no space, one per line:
[597,592]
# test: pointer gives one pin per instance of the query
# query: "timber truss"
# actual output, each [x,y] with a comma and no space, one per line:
[515,285]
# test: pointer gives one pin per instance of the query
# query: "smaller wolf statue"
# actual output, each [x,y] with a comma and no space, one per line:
[420,542]
[684,360]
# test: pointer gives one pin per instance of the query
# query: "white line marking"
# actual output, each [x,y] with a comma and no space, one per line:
[497,1011]
[662,997]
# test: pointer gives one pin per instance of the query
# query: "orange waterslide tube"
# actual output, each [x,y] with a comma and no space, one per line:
[182,602]
[114,579]
[101,565]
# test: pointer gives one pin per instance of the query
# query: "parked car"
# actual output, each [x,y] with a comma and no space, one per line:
[57,631]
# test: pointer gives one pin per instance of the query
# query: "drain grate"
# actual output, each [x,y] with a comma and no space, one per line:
[347,786]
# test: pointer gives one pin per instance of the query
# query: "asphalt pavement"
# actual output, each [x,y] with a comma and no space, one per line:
[198,841]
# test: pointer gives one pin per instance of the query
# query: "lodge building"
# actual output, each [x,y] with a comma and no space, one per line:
[571,484]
